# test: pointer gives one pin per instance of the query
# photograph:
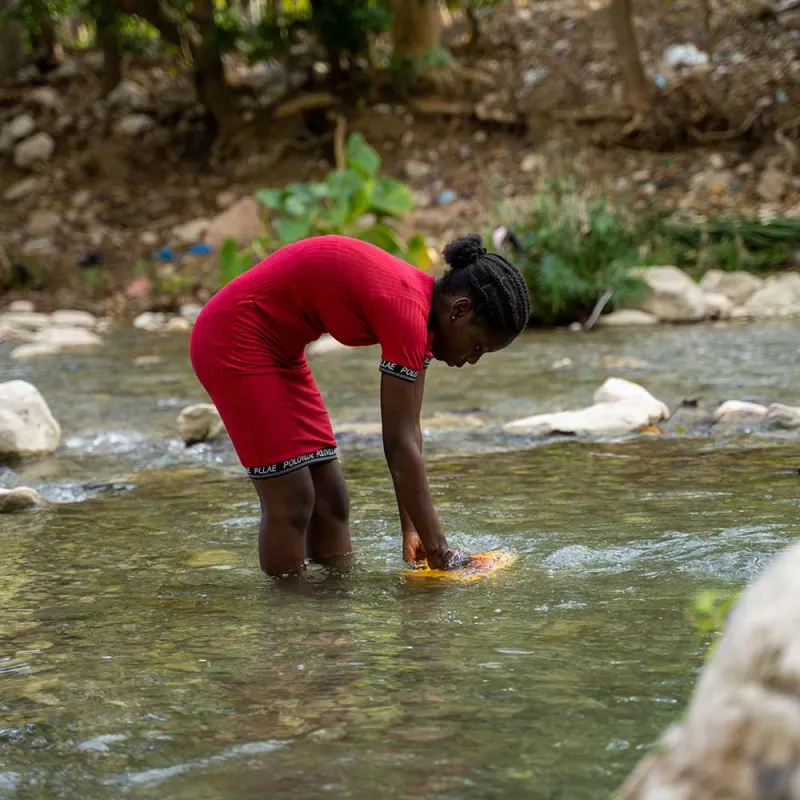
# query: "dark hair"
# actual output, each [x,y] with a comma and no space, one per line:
[496,287]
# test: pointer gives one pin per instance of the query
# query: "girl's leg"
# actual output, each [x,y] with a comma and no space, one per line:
[287,505]
[328,539]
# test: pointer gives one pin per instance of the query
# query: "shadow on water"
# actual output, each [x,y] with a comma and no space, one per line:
[144,655]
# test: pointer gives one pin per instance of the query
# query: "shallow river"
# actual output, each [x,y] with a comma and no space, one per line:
[144,656]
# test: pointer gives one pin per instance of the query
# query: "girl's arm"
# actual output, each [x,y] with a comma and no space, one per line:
[412,545]
[400,401]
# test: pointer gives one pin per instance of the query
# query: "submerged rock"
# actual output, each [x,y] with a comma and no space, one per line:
[199,423]
[739,411]
[620,407]
[51,341]
[740,737]
[673,296]
[67,318]
[27,427]
[19,499]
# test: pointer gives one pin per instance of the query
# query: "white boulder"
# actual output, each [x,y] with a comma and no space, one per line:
[27,427]
[736,286]
[199,423]
[620,407]
[31,320]
[177,325]
[740,736]
[15,334]
[782,417]
[627,318]
[777,293]
[718,306]
[672,295]
[739,411]
[50,341]
[19,499]
[152,321]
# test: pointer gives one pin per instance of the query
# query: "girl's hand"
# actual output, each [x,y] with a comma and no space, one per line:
[412,547]
[451,559]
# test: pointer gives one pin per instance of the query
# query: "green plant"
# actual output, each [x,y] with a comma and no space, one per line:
[354,201]
[709,611]
[573,251]
[232,261]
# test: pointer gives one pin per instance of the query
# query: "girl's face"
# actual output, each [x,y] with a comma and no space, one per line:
[459,338]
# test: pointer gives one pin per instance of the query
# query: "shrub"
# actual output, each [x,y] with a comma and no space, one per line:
[571,252]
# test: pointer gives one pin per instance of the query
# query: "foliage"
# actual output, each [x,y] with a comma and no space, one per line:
[232,261]
[572,251]
[727,244]
[354,201]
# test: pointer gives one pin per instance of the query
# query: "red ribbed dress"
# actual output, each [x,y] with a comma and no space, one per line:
[248,344]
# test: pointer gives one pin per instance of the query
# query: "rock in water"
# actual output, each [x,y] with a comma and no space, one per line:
[740,737]
[739,411]
[620,407]
[673,296]
[18,499]
[57,340]
[626,318]
[27,428]
[782,417]
[718,306]
[67,318]
[737,286]
[199,423]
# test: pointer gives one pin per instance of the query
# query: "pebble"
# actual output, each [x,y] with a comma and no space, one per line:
[19,128]
[35,150]
[22,189]
[772,186]
[417,170]
[19,499]
[532,162]
[42,223]
[133,125]
[190,311]
[129,96]
[177,325]
[190,232]
[46,97]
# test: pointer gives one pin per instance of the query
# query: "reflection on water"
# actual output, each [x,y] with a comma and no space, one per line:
[145,657]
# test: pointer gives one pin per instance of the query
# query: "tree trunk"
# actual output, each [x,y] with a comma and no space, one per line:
[12,42]
[212,88]
[638,89]
[416,27]
[49,42]
[108,39]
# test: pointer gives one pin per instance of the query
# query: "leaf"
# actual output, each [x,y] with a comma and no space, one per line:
[292,229]
[295,205]
[417,253]
[362,157]
[271,198]
[391,197]
[381,235]
[231,262]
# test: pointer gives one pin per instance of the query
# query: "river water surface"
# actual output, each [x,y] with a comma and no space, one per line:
[144,656]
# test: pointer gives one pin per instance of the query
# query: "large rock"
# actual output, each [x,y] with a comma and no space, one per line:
[152,321]
[199,423]
[241,221]
[782,417]
[14,333]
[27,428]
[620,407]
[627,318]
[778,293]
[736,286]
[19,499]
[190,232]
[38,149]
[718,306]
[739,411]
[128,96]
[673,296]
[740,737]
[30,320]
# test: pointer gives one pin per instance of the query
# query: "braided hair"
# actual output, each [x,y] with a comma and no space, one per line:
[496,287]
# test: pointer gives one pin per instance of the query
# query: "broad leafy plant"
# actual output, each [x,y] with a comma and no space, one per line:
[354,201]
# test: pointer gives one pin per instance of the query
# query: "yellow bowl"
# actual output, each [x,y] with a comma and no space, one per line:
[482,565]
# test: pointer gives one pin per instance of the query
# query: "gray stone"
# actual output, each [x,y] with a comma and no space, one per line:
[38,149]
[627,318]
[190,232]
[190,311]
[718,306]
[22,189]
[152,321]
[740,736]
[14,334]
[27,428]
[19,499]
[735,411]
[776,293]
[772,185]
[45,97]
[199,423]
[68,318]
[30,320]
[737,286]
[22,306]
[417,170]
[177,325]
[782,417]
[129,96]
[673,296]
[19,128]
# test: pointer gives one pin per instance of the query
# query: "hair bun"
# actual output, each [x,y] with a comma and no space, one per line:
[461,253]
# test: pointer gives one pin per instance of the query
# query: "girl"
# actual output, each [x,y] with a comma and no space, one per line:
[248,350]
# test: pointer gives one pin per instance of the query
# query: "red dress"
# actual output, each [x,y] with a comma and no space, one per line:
[248,344]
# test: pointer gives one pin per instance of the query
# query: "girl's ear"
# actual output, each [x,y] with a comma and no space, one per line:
[460,308]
